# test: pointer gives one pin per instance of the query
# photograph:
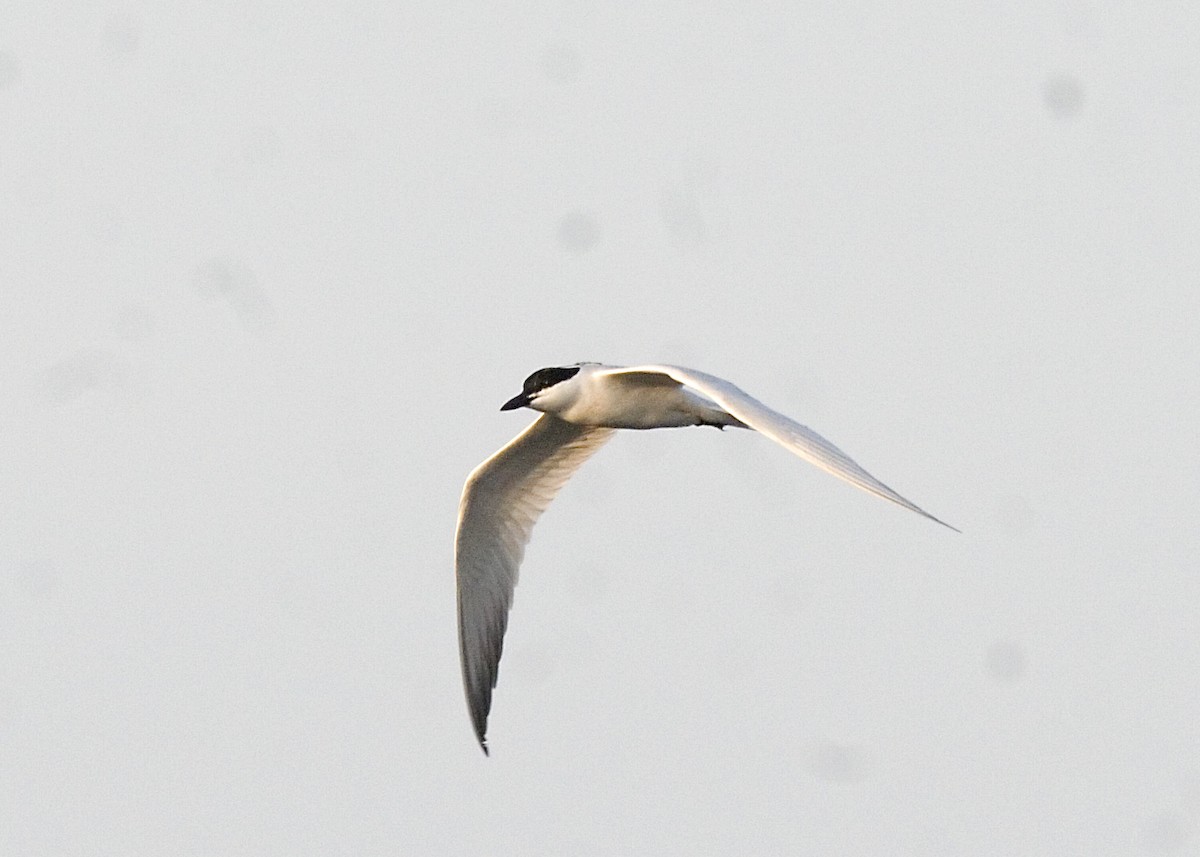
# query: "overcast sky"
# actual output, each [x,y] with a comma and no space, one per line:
[268,270]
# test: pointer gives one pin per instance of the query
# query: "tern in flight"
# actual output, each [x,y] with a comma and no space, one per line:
[581,406]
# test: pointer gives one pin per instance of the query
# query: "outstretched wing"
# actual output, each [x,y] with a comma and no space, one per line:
[785,431]
[501,502]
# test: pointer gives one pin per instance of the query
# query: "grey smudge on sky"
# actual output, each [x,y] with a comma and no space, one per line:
[261,144]
[578,232]
[122,36]
[1005,661]
[560,63]
[838,763]
[34,578]
[133,323]
[84,371]
[1164,834]
[10,71]
[693,207]
[1063,94]
[681,214]
[233,283]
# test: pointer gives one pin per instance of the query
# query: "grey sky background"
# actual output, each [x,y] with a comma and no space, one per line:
[269,270]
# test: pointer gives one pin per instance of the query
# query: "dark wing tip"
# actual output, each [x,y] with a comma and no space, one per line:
[479,704]
[943,523]
[479,721]
[481,668]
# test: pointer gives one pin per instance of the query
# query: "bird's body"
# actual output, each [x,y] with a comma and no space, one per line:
[581,406]
[619,398]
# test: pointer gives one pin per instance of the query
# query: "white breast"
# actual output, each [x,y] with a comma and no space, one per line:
[635,400]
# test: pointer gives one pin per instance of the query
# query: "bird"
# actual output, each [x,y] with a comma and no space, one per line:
[581,406]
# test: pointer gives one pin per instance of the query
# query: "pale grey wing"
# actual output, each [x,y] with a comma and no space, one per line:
[785,431]
[501,501]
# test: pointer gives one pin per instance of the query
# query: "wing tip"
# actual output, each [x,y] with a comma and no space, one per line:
[479,708]
[937,520]
[479,726]
[940,521]
[481,735]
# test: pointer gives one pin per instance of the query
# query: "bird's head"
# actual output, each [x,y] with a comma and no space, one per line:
[540,389]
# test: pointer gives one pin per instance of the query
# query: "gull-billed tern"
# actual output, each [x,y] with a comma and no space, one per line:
[581,406]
